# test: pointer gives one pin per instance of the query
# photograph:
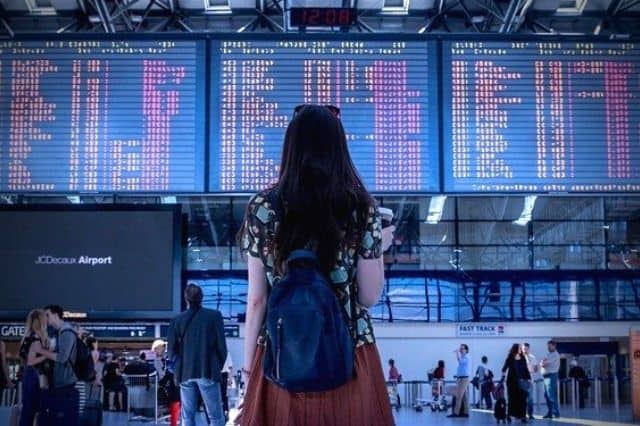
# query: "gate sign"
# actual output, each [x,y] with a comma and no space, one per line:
[479,330]
[15,331]
[11,331]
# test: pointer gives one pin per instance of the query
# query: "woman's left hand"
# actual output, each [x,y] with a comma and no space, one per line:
[387,237]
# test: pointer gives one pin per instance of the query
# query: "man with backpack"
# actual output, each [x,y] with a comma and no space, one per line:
[485,380]
[60,403]
[198,350]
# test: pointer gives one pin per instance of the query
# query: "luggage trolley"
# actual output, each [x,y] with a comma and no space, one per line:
[439,401]
[394,394]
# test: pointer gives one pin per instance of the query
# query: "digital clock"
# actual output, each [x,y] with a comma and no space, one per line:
[322,16]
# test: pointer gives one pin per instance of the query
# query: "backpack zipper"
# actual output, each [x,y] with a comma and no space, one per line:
[279,346]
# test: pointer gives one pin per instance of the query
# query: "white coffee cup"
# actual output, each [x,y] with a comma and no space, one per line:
[387,216]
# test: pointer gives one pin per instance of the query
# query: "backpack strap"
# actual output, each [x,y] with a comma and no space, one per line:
[302,255]
[75,343]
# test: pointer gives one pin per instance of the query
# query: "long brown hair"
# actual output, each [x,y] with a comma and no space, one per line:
[323,200]
[515,350]
[36,323]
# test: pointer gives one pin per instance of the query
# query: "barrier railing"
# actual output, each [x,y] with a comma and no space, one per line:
[142,396]
[599,392]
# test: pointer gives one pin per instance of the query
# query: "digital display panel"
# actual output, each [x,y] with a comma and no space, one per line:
[102,116]
[106,262]
[537,116]
[386,90]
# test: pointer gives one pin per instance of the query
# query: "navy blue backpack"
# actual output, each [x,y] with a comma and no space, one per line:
[309,345]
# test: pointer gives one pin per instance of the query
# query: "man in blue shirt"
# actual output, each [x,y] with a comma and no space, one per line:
[462,381]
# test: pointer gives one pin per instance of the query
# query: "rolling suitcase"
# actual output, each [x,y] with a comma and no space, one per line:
[92,414]
[500,410]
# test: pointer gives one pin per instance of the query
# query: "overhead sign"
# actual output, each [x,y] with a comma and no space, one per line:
[230,330]
[11,331]
[15,331]
[479,330]
[121,331]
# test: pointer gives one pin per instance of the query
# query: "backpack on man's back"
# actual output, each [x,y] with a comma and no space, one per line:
[83,365]
[309,344]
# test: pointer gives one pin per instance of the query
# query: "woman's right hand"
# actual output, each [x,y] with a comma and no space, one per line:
[387,237]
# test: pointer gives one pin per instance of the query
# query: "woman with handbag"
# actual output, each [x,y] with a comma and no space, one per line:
[38,370]
[320,204]
[518,382]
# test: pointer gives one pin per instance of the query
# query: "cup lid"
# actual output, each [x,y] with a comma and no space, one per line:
[385,211]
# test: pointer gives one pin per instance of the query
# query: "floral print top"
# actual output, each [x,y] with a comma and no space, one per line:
[261,222]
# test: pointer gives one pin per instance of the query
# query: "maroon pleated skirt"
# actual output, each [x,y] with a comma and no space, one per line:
[363,401]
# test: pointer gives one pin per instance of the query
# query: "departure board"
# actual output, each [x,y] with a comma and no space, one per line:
[386,90]
[541,116]
[102,116]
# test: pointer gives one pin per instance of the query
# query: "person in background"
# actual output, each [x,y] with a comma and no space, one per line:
[122,364]
[394,374]
[438,373]
[463,374]
[536,377]
[394,377]
[138,366]
[92,344]
[5,378]
[577,373]
[485,379]
[33,384]
[197,342]
[113,383]
[550,367]
[61,403]
[318,201]
[160,362]
[518,382]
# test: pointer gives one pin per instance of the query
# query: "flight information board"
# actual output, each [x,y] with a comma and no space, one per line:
[386,90]
[541,116]
[102,116]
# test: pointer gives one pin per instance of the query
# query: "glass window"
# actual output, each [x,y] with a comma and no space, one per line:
[406,298]
[494,257]
[490,208]
[228,295]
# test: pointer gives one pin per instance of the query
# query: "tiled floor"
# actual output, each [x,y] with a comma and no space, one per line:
[407,417]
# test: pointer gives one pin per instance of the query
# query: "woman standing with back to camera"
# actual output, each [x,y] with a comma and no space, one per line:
[318,203]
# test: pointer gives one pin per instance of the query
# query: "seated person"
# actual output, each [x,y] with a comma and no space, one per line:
[139,366]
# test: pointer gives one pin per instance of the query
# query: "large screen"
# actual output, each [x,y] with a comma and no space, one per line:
[386,90]
[120,262]
[98,115]
[541,116]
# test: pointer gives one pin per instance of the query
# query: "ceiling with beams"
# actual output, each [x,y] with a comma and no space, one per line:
[597,17]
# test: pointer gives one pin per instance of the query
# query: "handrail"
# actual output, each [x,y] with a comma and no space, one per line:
[153,384]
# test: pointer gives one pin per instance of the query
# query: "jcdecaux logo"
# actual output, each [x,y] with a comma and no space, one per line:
[82,260]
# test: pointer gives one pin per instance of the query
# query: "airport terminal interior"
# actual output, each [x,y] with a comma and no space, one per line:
[503,135]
